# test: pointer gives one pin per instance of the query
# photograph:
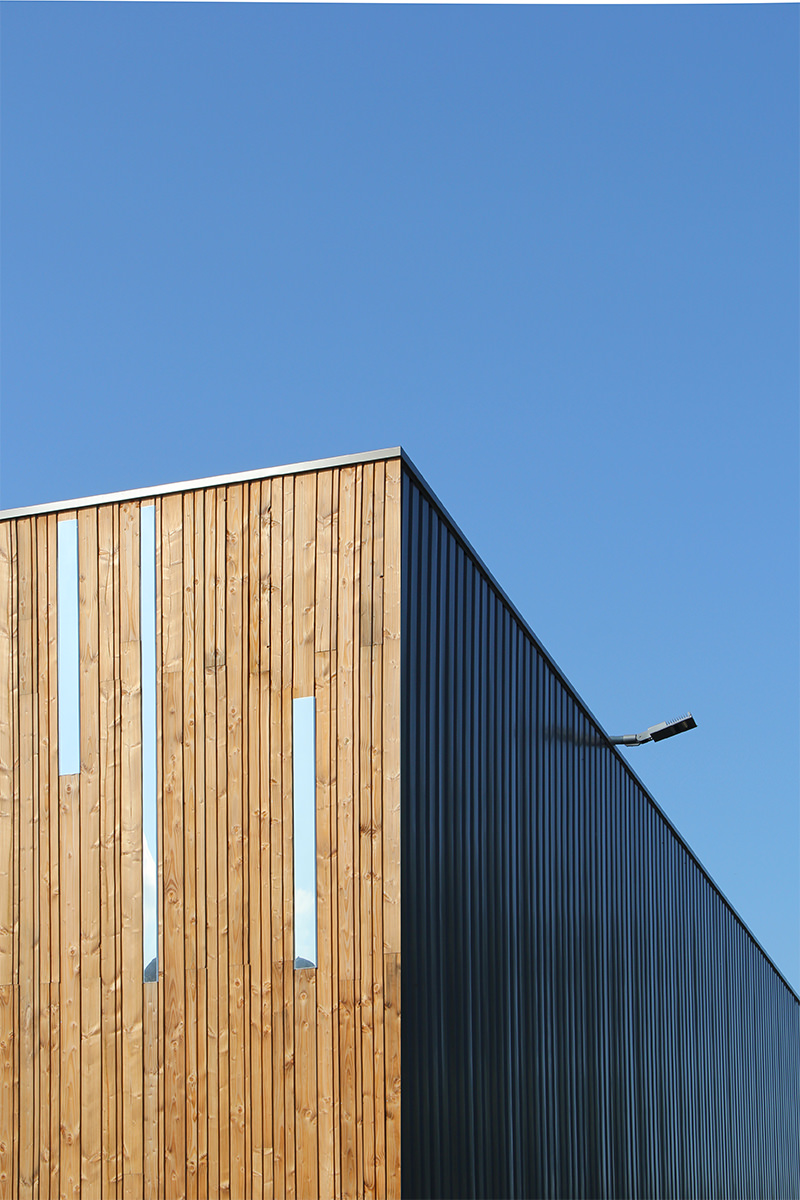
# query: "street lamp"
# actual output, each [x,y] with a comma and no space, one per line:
[656,733]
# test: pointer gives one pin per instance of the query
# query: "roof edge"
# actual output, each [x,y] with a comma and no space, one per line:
[193,485]
[506,599]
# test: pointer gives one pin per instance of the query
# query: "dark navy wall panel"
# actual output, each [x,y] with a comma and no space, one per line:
[583,1013]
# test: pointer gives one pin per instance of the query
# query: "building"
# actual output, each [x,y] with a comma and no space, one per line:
[221,701]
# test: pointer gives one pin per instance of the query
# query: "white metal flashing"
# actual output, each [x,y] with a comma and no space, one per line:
[193,485]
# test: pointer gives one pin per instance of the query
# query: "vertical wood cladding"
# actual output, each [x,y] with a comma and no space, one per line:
[584,1014]
[232,1074]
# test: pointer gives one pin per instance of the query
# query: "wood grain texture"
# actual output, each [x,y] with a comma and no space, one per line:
[232,1074]
[7,733]
[130,859]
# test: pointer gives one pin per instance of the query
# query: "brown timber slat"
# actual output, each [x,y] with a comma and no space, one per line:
[7,1180]
[118,1021]
[288,835]
[172,546]
[91,1059]
[6,768]
[376,827]
[160,890]
[345,832]
[276,873]
[27,998]
[223,978]
[304,990]
[235,835]
[326,889]
[132,967]
[211,656]
[189,806]
[91,1082]
[109,939]
[252,712]
[70,986]
[391,821]
[200,834]
[42,861]
[150,1155]
[7,991]
[265,795]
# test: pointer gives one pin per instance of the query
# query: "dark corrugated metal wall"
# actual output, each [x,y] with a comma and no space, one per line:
[583,1014]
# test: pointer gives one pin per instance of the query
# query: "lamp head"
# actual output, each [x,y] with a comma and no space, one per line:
[669,728]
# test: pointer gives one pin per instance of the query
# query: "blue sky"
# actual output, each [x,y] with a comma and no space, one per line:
[552,251]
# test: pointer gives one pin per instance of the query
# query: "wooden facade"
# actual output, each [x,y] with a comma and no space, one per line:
[233,1074]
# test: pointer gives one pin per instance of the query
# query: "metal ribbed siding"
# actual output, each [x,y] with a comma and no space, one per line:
[583,1013]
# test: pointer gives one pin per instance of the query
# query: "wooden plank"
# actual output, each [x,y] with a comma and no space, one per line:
[6,764]
[45,1156]
[172,548]
[276,871]
[346,730]
[243,653]
[50,970]
[377,553]
[118,803]
[347,1084]
[304,989]
[70,987]
[55,1099]
[52,653]
[200,586]
[366,536]
[223,986]
[7,1003]
[192,1114]
[379,1063]
[7,1179]
[253,714]
[305,994]
[234,587]
[391,820]
[89,637]
[333,761]
[91,1058]
[191,585]
[265,792]
[42,860]
[130,863]
[239,991]
[391,710]
[7,869]
[324,562]
[287,595]
[211,653]
[27,996]
[150,1149]
[370,824]
[304,580]
[392,967]
[107,568]
[160,886]
[16,808]
[202,1084]
[91,1085]
[327,929]
[362,569]
[366,1031]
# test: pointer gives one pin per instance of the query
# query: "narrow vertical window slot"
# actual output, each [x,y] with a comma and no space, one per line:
[304,788]
[147,575]
[69,703]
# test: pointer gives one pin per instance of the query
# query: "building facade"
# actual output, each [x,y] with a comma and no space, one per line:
[262,740]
